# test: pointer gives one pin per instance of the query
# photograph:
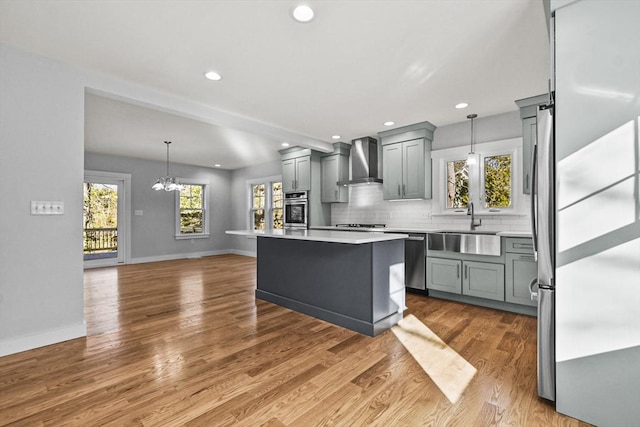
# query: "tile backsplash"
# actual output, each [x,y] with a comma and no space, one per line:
[367,206]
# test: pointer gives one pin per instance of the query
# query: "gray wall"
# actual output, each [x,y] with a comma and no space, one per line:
[152,234]
[41,158]
[240,202]
[486,129]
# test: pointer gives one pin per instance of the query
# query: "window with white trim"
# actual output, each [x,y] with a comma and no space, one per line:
[191,210]
[489,179]
[266,204]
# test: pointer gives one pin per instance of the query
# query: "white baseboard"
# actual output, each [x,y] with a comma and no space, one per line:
[178,256]
[41,339]
[243,253]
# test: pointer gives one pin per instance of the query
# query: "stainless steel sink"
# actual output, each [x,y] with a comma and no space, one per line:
[466,242]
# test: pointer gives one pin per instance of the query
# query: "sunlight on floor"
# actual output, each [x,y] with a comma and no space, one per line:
[448,370]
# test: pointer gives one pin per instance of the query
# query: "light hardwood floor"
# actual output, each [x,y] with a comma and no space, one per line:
[185,343]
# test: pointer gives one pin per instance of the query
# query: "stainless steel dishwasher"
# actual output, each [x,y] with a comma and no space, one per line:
[415,251]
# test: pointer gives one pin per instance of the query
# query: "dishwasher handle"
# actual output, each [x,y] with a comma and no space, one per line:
[416,238]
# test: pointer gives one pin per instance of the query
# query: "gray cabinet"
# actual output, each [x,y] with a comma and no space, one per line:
[335,168]
[301,171]
[392,171]
[521,271]
[296,174]
[406,162]
[528,112]
[483,280]
[473,278]
[444,275]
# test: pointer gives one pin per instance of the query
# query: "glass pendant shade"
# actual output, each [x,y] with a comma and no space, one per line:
[472,159]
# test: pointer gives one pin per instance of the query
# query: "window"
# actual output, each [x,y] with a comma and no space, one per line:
[277,205]
[457,184]
[258,207]
[266,206]
[191,211]
[496,175]
[489,180]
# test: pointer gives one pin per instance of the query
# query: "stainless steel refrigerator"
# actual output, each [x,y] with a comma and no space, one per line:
[587,214]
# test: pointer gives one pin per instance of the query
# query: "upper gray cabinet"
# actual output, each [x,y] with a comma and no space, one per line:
[528,112]
[296,170]
[406,161]
[335,168]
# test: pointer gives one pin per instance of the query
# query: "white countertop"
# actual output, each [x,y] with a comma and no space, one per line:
[417,230]
[325,235]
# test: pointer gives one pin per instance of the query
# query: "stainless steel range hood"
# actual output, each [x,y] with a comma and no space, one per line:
[364,162]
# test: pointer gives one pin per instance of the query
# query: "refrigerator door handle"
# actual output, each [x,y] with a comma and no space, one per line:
[545,204]
[533,290]
[534,201]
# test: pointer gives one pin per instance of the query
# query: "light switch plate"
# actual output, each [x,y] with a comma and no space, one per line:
[47,208]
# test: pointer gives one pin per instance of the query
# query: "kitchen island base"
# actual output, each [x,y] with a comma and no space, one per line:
[356,286]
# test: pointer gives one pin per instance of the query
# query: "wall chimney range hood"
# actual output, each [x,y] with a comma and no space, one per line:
[364,162]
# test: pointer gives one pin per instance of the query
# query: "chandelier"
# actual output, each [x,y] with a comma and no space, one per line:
[167,182]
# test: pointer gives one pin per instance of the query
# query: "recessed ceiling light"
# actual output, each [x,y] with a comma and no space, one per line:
[336,137]
[212,75]
[302,13]
[389,123]
[462,105]
[285,144]
[217,165]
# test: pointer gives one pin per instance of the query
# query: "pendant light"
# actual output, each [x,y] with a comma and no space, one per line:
[167,182]
[472,158]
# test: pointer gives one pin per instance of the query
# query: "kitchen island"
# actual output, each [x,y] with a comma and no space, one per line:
[354,280]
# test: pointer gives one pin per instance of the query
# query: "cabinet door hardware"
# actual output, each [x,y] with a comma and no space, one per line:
[458,271]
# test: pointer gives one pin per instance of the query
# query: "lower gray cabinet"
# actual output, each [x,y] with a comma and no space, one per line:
[444,275]
[476,279]
[482,279]
[521,271]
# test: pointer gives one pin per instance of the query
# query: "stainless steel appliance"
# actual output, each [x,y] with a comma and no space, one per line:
[543,227]
[415,252]
[296,210]
[587,222]
[364,162]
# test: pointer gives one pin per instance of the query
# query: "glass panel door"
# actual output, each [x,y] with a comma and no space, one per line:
[102,221]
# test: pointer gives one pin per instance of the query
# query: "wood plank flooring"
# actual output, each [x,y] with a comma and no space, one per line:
[185,343]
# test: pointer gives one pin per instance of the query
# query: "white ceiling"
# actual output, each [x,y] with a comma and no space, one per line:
[355,66]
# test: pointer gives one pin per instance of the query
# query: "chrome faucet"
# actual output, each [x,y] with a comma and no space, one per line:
[474,223]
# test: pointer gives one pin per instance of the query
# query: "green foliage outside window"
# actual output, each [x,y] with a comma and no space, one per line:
[497,181]
[267,206]
[258,206]
[191,209]
[100,205]
[277,197]
[100,217]
[457,184]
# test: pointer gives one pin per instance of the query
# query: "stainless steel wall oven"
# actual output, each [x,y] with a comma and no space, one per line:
[296,210]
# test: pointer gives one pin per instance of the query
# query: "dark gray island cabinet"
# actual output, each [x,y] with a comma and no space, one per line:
[354,280]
